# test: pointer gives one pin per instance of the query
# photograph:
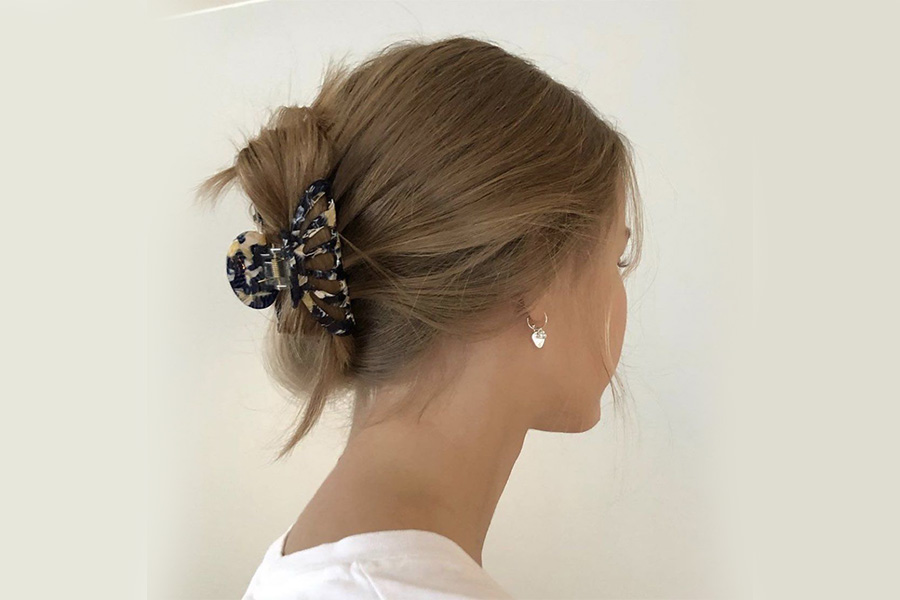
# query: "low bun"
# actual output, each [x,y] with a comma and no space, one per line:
[277,165]
[274,170]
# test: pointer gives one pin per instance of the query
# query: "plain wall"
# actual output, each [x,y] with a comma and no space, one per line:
[610,513]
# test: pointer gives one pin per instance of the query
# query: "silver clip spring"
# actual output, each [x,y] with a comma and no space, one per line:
[276,269]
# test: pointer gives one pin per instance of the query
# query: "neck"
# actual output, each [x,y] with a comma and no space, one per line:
[424,476]
[442,471]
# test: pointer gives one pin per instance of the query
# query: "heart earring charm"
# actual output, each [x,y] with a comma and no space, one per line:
[539,335]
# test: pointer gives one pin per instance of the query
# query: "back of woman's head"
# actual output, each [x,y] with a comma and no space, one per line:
[464,180]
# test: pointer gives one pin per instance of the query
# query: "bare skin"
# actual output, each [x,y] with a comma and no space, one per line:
[445,471]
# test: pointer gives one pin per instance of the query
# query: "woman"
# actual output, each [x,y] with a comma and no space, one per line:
[442,235]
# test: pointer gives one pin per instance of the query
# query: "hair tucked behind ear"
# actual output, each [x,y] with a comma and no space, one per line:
[464,179]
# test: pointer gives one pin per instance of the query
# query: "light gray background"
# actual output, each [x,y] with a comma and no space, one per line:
[92,200]
[611,513]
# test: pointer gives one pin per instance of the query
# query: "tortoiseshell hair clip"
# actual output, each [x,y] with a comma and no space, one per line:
[258,271]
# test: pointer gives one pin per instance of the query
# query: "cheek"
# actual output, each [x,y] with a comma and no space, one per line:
[618,316]
[601,331]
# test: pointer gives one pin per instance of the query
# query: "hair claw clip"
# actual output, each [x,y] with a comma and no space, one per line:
[256,271]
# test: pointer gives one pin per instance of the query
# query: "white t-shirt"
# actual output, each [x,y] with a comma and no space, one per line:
[403,564]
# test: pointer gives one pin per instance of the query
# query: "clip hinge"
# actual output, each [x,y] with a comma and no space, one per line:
[276,268]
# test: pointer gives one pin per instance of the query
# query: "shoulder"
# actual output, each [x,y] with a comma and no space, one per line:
[394,578]
[424,577]
[378,565]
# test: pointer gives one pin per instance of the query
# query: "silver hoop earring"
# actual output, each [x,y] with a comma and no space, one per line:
[539,334]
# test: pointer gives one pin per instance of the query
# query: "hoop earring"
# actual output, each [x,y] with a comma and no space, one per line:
[539,334]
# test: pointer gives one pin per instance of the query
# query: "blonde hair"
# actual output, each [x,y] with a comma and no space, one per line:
[464,178]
